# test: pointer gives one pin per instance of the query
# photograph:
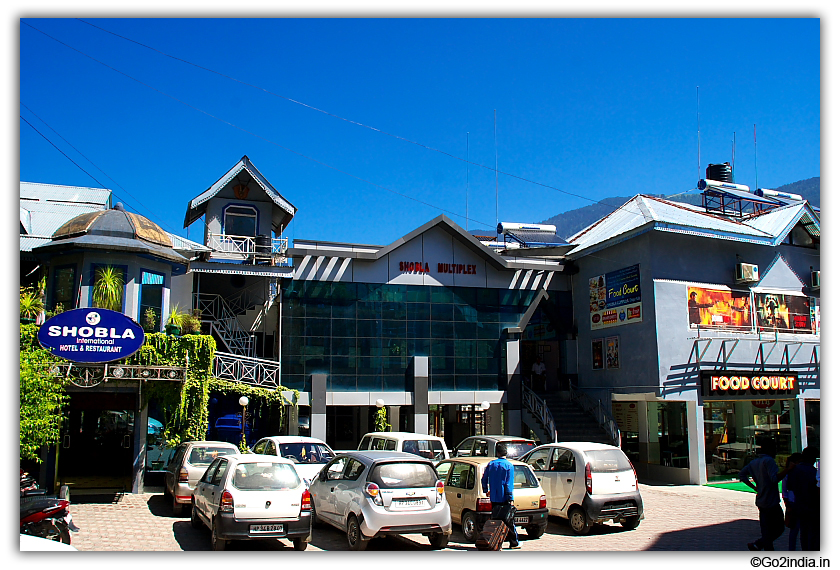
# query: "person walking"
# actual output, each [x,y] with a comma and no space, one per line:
[791,521]
[765,476]
[497,482]
[802,482]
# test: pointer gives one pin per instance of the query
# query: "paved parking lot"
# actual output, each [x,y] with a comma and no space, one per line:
[678,518]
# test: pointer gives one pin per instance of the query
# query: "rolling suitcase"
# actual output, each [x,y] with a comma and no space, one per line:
[492,535]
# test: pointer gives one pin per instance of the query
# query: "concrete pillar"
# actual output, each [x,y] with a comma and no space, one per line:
[513,423]
[420,367]
[394,417]
[294,420]
[141,423]
[318,403]
[696,443]
[798,426]
[493,419]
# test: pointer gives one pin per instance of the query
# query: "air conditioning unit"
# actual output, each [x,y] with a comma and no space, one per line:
[746,272]
[815,280]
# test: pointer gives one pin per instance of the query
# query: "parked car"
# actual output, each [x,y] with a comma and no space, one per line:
[308,454]
[229,428]
[470,506]
[485,446]
[251,496]
[369,494]
[186,467]
[428,446]
[588,483]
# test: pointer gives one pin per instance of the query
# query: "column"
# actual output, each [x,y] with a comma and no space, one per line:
[141,423]
[394,417]
[799,430]
[318,404]
[420,367]
[294,419]
[696,443]
[493,419]
[513,423]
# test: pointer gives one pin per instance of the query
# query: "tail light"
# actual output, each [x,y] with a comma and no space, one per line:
[305,501]
[439,487]
[635,477]
[183,475]
[372,490]
[542,501]
[588,478]
[226,504]
[483,505]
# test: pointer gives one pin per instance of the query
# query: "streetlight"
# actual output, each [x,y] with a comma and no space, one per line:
[380,403]
[243,401]
[485,405]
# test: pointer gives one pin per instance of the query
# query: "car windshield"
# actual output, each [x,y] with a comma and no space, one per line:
[428,448]
[523,478]
[265,476]
[404,475]
[608,461]
[205,455]
[306,452]
[519,448]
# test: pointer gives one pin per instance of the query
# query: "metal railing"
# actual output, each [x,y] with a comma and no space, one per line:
[597,410]
[539,409]
[246,247]
[224,322]
[247,370]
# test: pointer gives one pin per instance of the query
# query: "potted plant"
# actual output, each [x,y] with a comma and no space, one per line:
[191,322]
[173,324]
[31,305]
[150,319]
[108,288]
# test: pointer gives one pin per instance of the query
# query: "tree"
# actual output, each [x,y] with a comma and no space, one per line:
[42,398]
[108,288]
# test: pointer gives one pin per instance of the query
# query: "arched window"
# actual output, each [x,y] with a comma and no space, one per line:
[240,221]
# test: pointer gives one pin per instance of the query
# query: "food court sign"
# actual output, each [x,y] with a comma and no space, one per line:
[742,385]
[91,335]
[615,298]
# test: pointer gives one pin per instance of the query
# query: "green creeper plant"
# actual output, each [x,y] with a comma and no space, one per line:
[42,398]
[108,286]
[380,420]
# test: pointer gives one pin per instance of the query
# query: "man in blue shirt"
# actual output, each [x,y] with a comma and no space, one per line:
[765,473]
[497,482]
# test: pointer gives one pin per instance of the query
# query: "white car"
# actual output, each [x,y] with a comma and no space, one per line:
[252,496]
[421,445]
[309,454]
[588,483]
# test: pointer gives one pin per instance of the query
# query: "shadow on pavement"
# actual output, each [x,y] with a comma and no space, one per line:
[161,506]
[560,527]
[190,539]
[96,498]
[729,536]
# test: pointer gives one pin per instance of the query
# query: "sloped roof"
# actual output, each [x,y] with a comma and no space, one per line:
[281,216]
[77,195]
[644,213]
[46,207]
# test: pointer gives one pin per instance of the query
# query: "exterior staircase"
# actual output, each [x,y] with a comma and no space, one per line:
[575,423]
[224,323]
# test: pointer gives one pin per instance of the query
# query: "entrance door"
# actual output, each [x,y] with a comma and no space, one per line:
[97,444]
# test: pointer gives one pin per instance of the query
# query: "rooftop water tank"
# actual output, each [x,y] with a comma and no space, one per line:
[719,172]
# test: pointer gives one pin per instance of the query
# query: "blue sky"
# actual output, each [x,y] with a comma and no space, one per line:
[585,109]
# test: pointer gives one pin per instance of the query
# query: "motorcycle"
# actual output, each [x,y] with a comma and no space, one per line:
[42,515]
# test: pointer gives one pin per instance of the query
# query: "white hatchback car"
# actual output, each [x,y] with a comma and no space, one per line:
[309,454]
[422,445]
[588,483]
[252,496]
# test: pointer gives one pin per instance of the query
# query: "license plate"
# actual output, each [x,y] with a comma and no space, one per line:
[410,502]
[258,528]
[520,520]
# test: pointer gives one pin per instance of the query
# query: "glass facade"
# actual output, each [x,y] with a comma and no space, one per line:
[362,335]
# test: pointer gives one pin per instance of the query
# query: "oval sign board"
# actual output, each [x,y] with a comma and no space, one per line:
[91,335]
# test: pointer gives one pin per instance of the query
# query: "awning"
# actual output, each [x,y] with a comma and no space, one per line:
[255,270]
[774,291]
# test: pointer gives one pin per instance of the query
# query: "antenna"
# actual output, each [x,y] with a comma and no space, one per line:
[496,147]
[733,156]
[468,182]
[755,145]
[699,176]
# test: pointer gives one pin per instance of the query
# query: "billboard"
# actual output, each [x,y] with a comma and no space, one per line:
[784,313]
[615,298]
[91,335]
[722,309]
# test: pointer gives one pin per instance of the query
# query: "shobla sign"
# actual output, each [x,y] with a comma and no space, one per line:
[91,335]
[734,385]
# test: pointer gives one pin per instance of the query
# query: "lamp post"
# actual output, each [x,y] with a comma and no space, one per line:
[485,405]
[243,401]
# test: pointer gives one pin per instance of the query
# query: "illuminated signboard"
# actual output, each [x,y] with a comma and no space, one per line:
[615,298]
[423,267]
[91,335]
[748,385]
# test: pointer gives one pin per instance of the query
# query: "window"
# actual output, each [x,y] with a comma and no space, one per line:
[240,221]
[260,448]
[336,468]
[354,469]
[151,298]
[563,460]
[220,470]
[539,459]
[523,478]
[270,448]
[608,461]
[443,470]
[204,455]
[64,287]
[404,475]
[480,449]
[463,476]
[107,287]
[211,471]
[265,476]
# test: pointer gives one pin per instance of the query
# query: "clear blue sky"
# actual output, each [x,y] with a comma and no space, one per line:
[586,109]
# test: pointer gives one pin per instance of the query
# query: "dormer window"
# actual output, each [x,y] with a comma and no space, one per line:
[240,221]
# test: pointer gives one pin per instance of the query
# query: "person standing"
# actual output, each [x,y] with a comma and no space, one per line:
[791,521]
[802,481]
[538,375]
[497,482]
[765,476]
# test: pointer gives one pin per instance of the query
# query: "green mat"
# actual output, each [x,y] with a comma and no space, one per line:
[736,486]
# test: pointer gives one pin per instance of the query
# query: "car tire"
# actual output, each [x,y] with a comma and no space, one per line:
[438,540]
[177,508]
[195,522]
[216,543]
[299,544]
[315,522]
[535,531]
[355,540]
[631,522]
[469,526]
[579,522]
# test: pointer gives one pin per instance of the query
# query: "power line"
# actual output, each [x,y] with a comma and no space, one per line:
[61,151]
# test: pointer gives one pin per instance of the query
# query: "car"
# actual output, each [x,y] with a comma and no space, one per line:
[229,428]
[588,483]
[308,454]
[485,446]
[370,494]
[470,506]
[252,496]
[186,467]
[422,445]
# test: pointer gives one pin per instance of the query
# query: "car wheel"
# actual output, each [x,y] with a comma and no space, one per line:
[438,540]
[195,522]
[217,543]
[299,544]
[177,508]
[315,522]
[631,522]
[469,526]
[535,531]
[355,540]
[578,521]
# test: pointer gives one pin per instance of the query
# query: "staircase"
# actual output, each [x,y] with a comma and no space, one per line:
[574,423]
[224,323]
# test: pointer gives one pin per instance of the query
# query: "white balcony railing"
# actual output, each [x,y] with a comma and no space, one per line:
[249,248]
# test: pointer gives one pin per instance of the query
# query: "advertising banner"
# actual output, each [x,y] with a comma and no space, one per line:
[720,309]
[597,354]
[91,335]
[615,298]
[783,313]
[612,353]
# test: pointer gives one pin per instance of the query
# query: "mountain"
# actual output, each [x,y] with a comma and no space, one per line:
[571,222]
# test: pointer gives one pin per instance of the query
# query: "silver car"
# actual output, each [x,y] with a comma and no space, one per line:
[187,465]
[369,494]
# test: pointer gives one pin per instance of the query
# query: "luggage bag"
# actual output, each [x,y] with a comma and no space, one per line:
[492,535]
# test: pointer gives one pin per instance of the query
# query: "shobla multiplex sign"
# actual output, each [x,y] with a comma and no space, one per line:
[91,335]
[734,384]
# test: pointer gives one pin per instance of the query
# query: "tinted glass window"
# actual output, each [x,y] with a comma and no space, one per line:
[354,470]
[208,475]
[403,475]
[205,455]
[480,449]
[563,460]
[428,448]
[365,444]
[306,452]
[217,474]
[270,448]
[265,476]
[608,461]
[260,447]
[523,478]
[519,448]
[539,459]
[336,468]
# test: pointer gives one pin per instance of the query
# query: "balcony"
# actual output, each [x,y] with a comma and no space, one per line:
[256,250]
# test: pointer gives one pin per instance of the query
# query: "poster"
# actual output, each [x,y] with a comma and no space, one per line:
[612,353]
[815,315]
[615,298]
[783,313]
[722,309]
[597,354]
